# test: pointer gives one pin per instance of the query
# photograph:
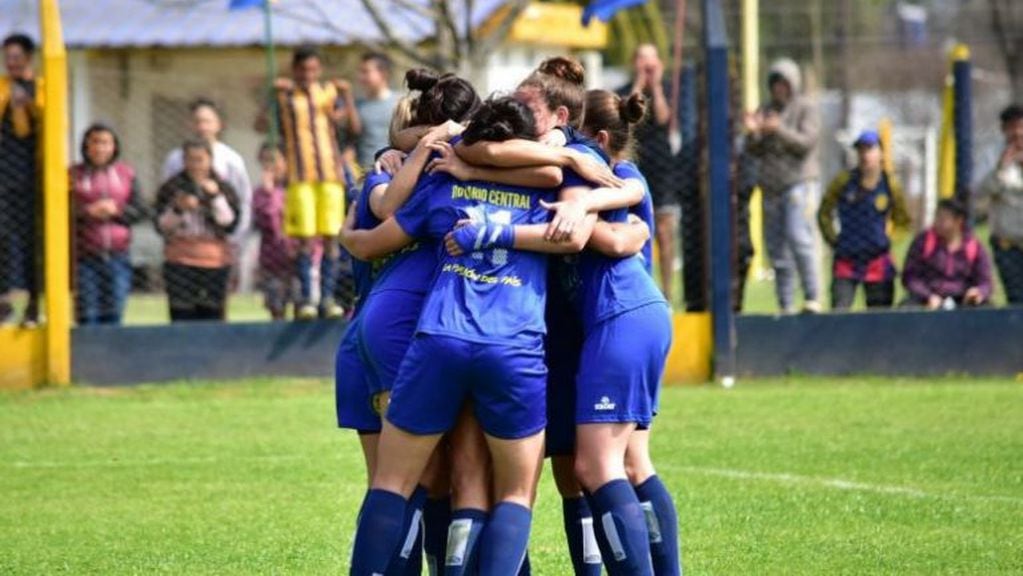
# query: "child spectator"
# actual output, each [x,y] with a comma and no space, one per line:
[946,265]
[855,217]
[106,202]
[196,213]
[1003,189]
[276,250]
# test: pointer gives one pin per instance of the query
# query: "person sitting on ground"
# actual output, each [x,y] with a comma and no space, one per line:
[855,218]
[946,265]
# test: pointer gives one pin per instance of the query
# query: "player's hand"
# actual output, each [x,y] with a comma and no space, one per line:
[634,219]
[284,84]
[595,171]
[449,162]
[390,162]
[973,297]
[567,217]
[554,138]
[462,239]
[934,302]
[443,132]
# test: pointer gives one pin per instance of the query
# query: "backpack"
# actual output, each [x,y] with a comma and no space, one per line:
[972,246]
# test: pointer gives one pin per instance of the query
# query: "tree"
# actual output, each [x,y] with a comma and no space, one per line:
[1007,25]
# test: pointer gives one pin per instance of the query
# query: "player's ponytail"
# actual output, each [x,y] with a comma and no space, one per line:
[500,119]
[560,81]
[565,68]
[421,79]
[443,98]
[610,113]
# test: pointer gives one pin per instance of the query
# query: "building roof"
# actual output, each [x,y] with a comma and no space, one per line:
[187,23]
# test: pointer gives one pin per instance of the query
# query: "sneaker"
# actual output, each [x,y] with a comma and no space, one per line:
[306,312]
[6,312]
[330,310]
[812,307]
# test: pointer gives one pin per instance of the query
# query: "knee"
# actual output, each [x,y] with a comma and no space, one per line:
[638,469]
[563,469]
[592,472]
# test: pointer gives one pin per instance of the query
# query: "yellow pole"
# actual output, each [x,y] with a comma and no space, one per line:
[55,195]
[884,131]
[750,102]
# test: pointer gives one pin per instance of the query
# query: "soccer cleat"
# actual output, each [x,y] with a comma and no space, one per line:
[306,312]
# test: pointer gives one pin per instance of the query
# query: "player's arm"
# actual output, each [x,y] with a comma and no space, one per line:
[407,139]
[532,176]
[620,239]
[519,153]
[567,215]
[829,203]
[374,243]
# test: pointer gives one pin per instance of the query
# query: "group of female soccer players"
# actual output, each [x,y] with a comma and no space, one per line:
[506,309]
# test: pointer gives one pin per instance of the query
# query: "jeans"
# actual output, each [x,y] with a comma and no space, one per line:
[1009,260]
[791,244]
[103,284]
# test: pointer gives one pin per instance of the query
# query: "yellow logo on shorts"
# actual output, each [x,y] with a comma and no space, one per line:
[881,202]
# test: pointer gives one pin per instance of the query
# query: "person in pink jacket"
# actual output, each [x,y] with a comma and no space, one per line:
[106,202]
[276,250]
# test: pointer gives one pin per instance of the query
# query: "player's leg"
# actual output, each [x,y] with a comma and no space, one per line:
[470,494]
[843,293]
[414,425]
[666,226]
[330,206]
[778,251]
[577,518]
[880,294]
[437,510]
[657,504]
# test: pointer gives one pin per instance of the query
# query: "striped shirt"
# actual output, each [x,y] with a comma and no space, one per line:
[307,130]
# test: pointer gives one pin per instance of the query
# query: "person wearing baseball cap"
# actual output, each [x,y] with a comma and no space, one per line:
[856,218]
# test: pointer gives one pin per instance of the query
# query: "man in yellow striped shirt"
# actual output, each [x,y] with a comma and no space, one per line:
[308,113]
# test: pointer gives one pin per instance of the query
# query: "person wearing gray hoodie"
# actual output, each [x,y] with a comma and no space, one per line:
[782,134]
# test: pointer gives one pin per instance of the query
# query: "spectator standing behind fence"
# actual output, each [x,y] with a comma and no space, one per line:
[196,211]
[207,124]
[856,215]
[20,109]
[276,251]
[105,203]
[783,136]
[370,126]
[1003,191]
[655,159]
[315,203]
[946,265]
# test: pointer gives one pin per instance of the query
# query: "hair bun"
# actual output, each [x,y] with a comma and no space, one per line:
[421,79]
[568,69]
[633,108]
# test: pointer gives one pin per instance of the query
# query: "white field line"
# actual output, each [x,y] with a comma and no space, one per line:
[841,484]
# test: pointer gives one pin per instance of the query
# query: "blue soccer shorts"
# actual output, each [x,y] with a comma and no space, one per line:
[387,324]
[358,407]
[506,384]
[621,367]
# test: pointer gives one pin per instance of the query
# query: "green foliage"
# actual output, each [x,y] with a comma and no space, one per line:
[797,476]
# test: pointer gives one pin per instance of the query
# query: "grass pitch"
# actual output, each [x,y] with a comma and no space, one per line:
[795,476]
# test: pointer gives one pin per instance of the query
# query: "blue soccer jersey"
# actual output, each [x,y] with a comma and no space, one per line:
[495,295]
[363,273]
[645,210]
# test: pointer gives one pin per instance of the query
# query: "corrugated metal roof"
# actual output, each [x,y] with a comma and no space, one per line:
[181,23]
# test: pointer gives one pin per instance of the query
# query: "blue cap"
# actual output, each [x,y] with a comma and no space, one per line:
[867,138]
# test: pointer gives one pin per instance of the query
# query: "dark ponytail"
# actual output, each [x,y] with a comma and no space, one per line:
[444,97]
[500,119]
[615,115]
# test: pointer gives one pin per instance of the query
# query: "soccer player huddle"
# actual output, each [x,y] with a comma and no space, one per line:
[506,311]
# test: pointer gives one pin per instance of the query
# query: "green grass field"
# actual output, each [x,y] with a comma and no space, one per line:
[798,476]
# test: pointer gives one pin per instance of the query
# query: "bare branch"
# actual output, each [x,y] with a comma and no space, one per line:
[406,48]
[470,36]
[414,7]
[446,18]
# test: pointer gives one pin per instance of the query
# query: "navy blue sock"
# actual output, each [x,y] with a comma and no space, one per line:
[409,559]
[380,532]
[304,269]
[328,277]
[436,519]
[621,528]
[582,544]
[464,532]
[662,523]
[526,569]
[504,541]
